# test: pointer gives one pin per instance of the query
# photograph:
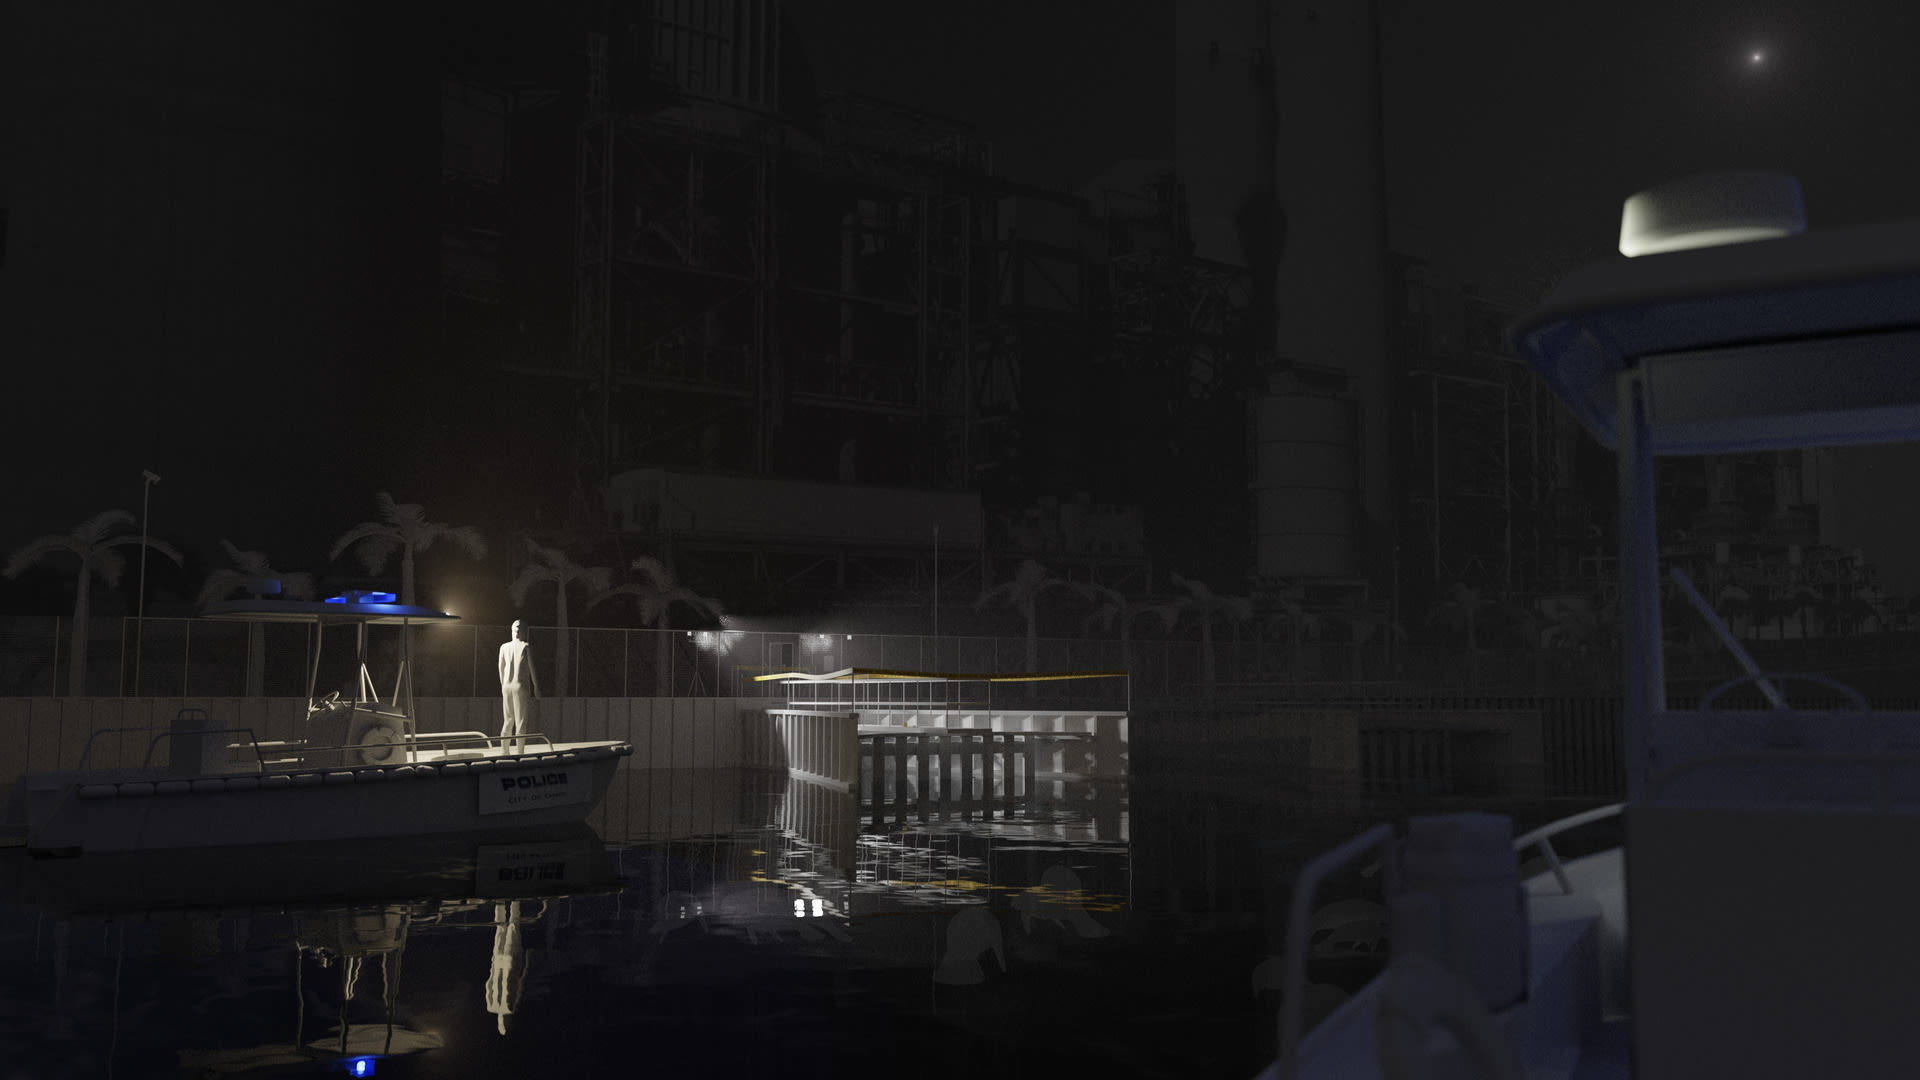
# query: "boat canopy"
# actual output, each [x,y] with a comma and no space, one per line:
[1804,340]
[893,675]
[328,612]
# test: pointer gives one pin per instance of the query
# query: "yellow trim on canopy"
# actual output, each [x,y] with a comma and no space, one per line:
[858,674]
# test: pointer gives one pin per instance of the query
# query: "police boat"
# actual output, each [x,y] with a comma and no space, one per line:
[355,770]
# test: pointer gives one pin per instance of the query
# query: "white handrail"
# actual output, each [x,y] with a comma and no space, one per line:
[1299,926]
[1544,835]
[147,762]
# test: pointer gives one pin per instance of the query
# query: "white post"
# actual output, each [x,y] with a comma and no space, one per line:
[148,479]
[1639,567]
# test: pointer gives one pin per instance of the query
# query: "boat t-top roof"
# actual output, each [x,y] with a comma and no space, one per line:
[1726,329]
[356,609]
[325,612]
[1808,339]
[848,675]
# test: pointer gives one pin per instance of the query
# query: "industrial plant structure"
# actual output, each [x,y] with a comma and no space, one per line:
[808,347]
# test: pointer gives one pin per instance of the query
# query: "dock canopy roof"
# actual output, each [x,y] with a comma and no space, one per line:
[891,675]
[256,609]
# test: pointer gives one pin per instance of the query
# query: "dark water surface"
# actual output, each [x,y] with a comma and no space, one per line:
[708,923]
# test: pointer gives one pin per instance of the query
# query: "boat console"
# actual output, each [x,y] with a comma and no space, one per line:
[1766,929]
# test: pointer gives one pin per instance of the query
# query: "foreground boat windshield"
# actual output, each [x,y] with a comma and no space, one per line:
[1768,930]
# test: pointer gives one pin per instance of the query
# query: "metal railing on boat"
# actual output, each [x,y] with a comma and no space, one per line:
[1543,837]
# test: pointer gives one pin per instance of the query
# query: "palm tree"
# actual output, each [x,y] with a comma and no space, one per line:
[92,542]
[1362,624]
[1022,592]
[1205,603]
[1111,606]
[249,567]
[404,527]
[551,566]
[1301,624]
[1461,612]
[1569,624]
[656,592]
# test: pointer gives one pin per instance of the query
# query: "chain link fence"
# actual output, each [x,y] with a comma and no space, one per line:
[170,657]
[217,658]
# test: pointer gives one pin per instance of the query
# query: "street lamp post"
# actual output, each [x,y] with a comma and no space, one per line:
[140,600]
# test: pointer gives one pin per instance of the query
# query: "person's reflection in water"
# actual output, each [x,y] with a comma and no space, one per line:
[508,979]
[971,934]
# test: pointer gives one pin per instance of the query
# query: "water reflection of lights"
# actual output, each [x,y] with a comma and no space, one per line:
[348,933]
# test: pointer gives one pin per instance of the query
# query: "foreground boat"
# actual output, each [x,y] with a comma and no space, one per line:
[358,771]
[1763,877]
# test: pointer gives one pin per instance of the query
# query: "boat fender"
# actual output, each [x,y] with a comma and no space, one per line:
[242,783]
[369,776]
[306,779]
[172,787]
[207,784]
[480,766]
[1417,993]
[424,772]
[98,791]
[568,758]
[339,778]
[404,772]
[623,749]
[136,789]
[378,738]
[276,782]
[455,767]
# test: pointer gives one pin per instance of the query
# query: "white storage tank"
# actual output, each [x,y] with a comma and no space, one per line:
[1305,485]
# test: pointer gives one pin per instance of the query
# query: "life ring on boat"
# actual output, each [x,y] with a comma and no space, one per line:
[380,744]
[1416,995]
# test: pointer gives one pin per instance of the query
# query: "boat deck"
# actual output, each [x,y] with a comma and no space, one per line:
[1561,1030]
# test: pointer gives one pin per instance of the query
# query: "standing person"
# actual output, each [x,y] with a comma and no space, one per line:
[519,685]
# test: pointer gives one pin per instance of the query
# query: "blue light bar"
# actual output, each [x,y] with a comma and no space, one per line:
[360,1066]
[362,596]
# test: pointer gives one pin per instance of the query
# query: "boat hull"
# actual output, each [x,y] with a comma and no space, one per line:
[140,811]
[512,864]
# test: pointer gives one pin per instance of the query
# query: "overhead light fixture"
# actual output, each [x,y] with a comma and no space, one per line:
[1709,210]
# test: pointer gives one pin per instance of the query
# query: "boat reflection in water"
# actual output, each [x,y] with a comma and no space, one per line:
[345,913]
[721,901]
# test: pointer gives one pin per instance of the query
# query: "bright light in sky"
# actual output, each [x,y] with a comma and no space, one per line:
[1756,57]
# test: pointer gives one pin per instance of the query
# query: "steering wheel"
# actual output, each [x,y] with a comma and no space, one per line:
[1852,695]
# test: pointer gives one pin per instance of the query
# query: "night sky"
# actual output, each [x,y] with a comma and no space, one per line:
[1513,130]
